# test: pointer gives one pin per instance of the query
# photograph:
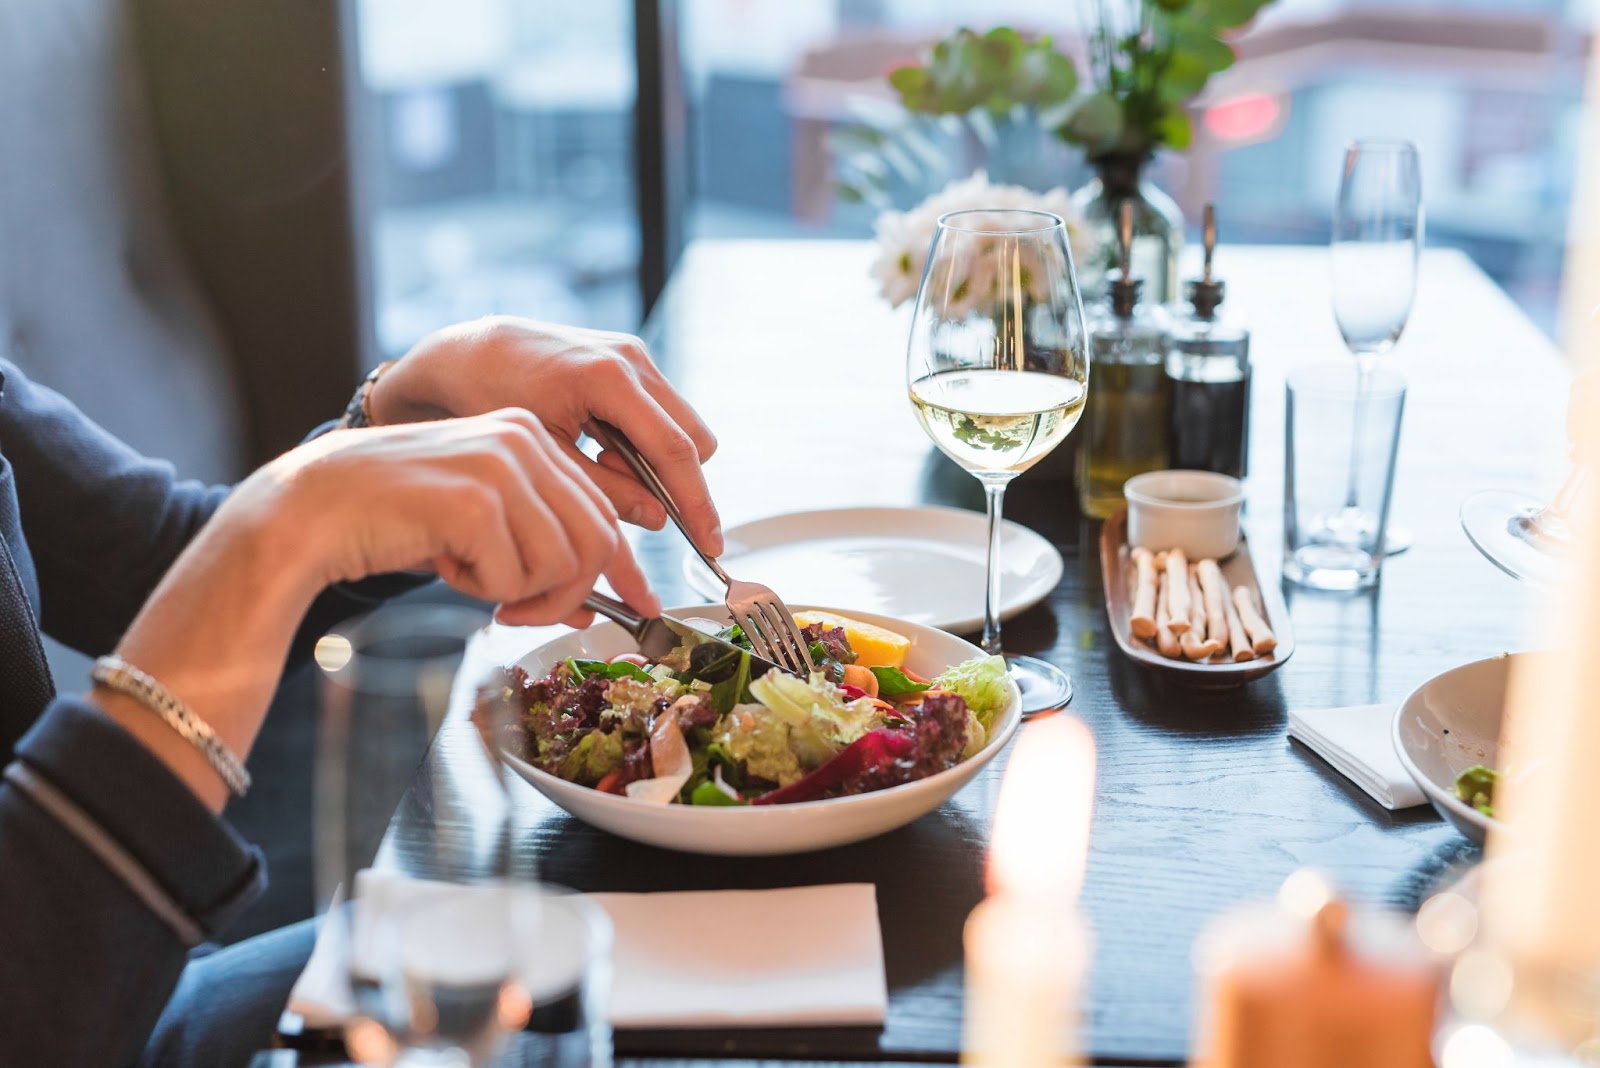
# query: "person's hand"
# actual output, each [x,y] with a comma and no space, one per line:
[491,503]
[566,376]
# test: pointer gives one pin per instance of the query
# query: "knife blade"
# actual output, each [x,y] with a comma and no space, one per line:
[659,635]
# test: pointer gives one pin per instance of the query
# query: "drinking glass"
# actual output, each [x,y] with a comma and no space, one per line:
[998,370]
[423,939]
[1321,550]
[1377,237]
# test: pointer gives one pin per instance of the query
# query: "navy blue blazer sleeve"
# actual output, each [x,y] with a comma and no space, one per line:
[104,523]
[110,868]
[110,871]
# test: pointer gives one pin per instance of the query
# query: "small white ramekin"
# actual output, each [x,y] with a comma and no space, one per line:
[1196,511]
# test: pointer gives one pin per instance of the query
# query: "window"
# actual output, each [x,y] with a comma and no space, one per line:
[496,141]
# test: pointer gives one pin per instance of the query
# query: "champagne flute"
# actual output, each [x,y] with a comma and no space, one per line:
[998,370]
[1377,237]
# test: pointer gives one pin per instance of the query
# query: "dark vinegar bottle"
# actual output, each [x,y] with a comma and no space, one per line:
[1208,370]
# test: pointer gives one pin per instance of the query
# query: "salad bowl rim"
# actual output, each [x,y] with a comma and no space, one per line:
[1006,721]
[1438,794]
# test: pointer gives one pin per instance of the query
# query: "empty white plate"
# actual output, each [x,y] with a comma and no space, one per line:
[925,564]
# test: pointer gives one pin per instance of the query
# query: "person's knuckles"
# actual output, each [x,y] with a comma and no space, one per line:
[633,349]
[558,564]
[678,449]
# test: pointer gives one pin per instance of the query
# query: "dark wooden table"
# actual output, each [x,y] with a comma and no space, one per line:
[1202,801]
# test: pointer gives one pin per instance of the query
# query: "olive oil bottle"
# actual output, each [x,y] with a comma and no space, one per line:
[1127,417]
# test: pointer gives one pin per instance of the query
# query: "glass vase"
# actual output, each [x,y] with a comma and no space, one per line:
[1157,228]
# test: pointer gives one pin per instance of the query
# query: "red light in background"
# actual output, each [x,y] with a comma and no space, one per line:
[1248,117]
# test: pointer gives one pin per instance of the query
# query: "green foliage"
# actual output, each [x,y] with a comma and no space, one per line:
[892,683]
[997,71]
[1150,58]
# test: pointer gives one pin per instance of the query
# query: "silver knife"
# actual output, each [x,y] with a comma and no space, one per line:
[660,635]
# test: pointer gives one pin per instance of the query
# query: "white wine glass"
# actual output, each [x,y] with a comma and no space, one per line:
[1377,239]
[1527,538]
[998,370]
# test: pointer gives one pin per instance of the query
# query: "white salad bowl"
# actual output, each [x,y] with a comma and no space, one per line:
[1449,724]
[765,830]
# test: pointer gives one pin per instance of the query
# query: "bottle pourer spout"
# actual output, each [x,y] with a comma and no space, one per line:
[1125,237]
[1209,235]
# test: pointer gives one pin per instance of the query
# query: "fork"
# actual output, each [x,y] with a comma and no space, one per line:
[760,613]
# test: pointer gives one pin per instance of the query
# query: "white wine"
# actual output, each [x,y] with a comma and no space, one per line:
[997,420]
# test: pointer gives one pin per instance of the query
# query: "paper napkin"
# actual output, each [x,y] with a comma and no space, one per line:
[810,956]
[807,956]
[1356,740]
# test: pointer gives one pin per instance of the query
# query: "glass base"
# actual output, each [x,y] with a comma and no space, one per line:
[1396,540]
[1517,535]
[1044,686]
[1330,567]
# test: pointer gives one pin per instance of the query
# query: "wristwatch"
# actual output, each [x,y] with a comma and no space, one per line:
[356,413]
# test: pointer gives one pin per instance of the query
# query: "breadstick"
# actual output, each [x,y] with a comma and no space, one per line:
[1216,595]
[1262,640]
[1178,591]
[1197,607]
[1166,643]
[1237,638]
[1196,646]
[1161,560]
[1142,620]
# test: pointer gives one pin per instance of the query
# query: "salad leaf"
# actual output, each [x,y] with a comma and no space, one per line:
[982,682]
[820,720]
[725,670]
[734,634]
[633,706]
[724,695]
[716,756]
[835,645]
[887,756]
[892,683]
[753,737]
[622,669]
[594,757]
[1475,786]
[709,793]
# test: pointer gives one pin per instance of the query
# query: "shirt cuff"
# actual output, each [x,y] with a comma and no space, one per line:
[209,872]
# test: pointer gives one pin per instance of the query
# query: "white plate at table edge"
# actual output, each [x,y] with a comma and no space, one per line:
[1019,591]
[768,830]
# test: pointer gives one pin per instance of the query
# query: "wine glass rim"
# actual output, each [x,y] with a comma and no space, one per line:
[1045,220]
[1385,144]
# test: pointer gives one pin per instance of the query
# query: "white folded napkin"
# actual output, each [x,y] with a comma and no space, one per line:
[1356,740]
[809,956]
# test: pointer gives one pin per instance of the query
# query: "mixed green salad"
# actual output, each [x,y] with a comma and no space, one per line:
[1475,786]
[695,728]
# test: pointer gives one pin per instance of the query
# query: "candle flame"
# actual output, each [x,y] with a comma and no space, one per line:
[1040,842]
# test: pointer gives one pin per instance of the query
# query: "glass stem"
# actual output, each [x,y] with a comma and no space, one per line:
[1352,495]
[1568,493]
[994,493]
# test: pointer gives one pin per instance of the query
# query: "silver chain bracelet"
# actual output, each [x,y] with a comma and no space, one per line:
[117,674]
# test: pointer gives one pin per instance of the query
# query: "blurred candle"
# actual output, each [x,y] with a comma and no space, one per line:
[1542,883]
[1533,976]
[1027,947]
[1308,985]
